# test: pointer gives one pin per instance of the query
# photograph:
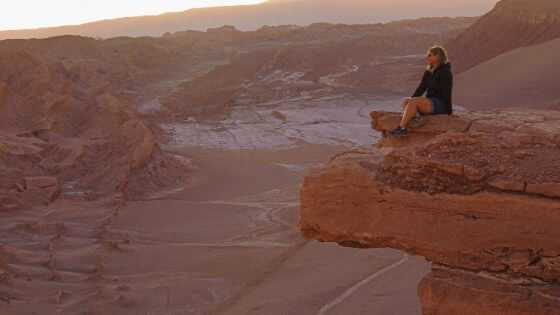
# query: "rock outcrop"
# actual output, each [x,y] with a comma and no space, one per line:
[476,193]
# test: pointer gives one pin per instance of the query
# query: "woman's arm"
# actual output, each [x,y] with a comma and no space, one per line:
[422,87]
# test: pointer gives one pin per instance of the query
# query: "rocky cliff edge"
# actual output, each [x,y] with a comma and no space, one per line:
[476,193]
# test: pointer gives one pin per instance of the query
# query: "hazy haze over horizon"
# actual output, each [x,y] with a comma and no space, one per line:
[67,12]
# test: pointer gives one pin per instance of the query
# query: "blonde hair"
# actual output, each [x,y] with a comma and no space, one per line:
[442,57]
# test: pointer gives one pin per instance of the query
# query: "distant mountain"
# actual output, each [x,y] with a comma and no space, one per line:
[274,12]
[526,76]
[509,25]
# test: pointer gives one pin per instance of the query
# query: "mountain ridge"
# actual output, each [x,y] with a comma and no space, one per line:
[250,17]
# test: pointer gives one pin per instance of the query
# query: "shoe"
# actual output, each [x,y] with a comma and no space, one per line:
[417,122]
[399,132]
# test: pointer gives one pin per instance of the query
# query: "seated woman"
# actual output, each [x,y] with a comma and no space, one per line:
[438,81]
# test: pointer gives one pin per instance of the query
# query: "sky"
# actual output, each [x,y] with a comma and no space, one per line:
[20,14]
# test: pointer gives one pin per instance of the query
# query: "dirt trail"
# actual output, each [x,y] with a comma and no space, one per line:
[357,286]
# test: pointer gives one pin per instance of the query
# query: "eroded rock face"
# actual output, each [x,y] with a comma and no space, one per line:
[453,291]
[476,193]
[63,136]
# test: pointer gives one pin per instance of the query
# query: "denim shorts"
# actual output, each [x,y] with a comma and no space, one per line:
[438,107]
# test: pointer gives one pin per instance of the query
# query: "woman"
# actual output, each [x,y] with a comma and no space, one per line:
[438,81]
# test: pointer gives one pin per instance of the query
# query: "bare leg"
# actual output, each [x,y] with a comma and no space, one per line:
[417,104]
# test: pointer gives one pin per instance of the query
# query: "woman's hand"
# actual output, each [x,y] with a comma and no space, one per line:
[405,101]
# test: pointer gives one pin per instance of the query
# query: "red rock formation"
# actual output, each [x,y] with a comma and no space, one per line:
[477,194]
[511,24]
[72,152]
[64,138]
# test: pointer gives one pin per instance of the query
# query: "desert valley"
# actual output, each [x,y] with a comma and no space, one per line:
[220,171]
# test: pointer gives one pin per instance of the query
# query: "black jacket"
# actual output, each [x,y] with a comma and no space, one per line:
[439,84]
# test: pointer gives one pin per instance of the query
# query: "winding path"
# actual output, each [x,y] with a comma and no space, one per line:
[356,286]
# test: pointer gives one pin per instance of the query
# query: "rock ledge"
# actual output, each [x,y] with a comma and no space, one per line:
[477,193]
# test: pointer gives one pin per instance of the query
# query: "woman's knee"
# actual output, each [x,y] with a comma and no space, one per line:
[413,103]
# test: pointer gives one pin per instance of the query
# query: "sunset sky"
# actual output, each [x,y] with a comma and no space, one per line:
[21,14]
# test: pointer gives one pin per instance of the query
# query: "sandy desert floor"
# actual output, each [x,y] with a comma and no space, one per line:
[227,245]
[232,246]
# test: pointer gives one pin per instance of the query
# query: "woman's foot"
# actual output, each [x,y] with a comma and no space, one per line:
[399,132]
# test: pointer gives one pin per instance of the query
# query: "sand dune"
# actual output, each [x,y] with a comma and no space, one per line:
[524,76]
[509,25]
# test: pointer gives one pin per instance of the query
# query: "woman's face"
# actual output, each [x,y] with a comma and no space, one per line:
[432,58]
